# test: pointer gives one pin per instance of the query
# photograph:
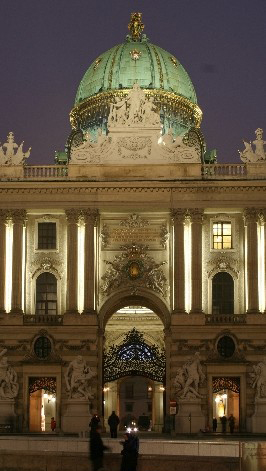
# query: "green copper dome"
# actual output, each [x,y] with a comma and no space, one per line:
[136,61]
[112,75]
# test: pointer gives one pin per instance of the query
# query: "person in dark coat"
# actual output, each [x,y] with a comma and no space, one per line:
[231,422]
[224,420]
[129,453]
[214,424]
[113,423]
[95,420]
[96,448]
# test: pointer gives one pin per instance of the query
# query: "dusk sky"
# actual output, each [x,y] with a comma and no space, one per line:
[47,45]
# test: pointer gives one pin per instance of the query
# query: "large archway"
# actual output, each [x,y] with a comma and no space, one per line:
[134,367]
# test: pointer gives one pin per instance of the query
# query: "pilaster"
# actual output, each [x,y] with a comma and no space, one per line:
[251,216]
[18,218]
[3,221]
[90,218]
[196,216]
[178,221]
[72,216]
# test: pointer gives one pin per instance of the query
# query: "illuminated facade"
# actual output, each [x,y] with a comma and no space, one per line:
[133,271]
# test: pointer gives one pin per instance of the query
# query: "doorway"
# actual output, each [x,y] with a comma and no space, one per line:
[226,400]
[42,403]
[134,369]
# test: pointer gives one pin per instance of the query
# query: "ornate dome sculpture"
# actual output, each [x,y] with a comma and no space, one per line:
[158,73]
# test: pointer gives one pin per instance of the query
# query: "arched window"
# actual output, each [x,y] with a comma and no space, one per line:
[222,294]
[46,294]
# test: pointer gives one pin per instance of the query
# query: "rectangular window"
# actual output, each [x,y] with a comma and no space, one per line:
[222,235]
[46,235]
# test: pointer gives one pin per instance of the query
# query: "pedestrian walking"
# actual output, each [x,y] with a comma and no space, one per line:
[129,452]
[214,424]
[113,422]
[53,424]
[231,421]
[97,448]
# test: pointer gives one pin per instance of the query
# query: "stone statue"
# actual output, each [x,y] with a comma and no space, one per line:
[135,109]
[258,377]
[78,378]
[8,379]
[180,151]
[248,154]
[188,378]
[11,153]
[89,151]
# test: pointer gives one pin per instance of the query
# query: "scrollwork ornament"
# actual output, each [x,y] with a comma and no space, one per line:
[164,234]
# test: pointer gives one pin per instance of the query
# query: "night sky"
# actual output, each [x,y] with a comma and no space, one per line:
[47,45]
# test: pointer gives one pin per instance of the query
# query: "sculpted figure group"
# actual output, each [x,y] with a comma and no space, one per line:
[136,108]
[11,153]
[248,154]
[258,378]
[188,378]
[78,377]
[8,379]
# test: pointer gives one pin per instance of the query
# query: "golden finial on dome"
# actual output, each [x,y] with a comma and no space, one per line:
[136,26]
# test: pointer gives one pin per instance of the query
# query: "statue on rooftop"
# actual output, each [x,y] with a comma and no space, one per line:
[248,154]
[11,153]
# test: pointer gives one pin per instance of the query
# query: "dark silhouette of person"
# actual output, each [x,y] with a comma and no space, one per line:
[113,422]
[223,421]
[97,448]
[231,421]
[95,420]
[214,424]
[129,452]
[53,424]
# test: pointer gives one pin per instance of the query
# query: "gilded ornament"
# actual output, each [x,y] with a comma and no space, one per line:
[174,61]
[135,54]
[97,63]
[136,26]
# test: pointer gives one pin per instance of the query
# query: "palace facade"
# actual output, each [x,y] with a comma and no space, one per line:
[132,272]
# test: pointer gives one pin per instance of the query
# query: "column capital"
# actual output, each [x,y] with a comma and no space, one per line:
[178,215]
[4,215]
[73,215]
[251,215]
[262,216]
[196,215]
[90,216]
[18,216]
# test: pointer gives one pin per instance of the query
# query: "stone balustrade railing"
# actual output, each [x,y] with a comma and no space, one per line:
[45,172]
[224,171]
[47,319]
[225,319]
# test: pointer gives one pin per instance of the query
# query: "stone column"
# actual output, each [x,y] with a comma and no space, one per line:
[167,385]
[178,219]
[251,220]
[72,216]
[3,220]
[18,217]
[90,219]
[196,216]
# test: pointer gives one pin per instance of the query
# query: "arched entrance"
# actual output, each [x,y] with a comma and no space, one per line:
[226,400]
[134,368]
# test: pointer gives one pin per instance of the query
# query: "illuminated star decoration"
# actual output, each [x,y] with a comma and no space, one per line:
[135,54]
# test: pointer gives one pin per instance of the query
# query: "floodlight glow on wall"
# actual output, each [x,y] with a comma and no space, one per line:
[187,251]
[9,249]
[81,261]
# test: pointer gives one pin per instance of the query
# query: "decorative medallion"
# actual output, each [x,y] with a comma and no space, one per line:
[134,269]
[174,61]
[135,54]
[97,63]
